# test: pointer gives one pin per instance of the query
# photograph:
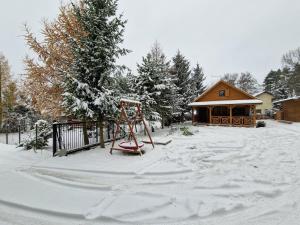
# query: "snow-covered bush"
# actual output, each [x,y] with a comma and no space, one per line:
[44,132]
[186,131]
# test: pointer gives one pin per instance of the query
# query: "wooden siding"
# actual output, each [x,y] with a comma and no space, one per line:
[231,93]
[291,110]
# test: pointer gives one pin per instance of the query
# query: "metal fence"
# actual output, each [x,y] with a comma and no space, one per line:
[14,135]
[77,136]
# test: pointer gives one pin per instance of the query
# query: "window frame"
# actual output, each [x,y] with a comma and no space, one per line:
[223,93]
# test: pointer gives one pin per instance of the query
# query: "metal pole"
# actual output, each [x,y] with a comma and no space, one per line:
[7,134]
[19,133]
[36,135]
[97,138]
[54,133]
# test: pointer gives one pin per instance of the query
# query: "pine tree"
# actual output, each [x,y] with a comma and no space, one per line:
[154,85]
[197,82]
[277,83]
[180,71]
[87,92]
[294,80]
[270,80]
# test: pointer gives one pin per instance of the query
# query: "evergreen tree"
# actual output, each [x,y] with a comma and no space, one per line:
[294,80]
[197,82]
[270,80]
[87,92]
[154,85]
[181,75]
[276,82]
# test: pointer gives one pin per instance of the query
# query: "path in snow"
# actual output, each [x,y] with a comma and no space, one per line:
[220,175]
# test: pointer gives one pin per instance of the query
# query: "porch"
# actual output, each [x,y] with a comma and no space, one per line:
[227,115]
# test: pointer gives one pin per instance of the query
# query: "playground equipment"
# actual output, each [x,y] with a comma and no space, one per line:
[131,144]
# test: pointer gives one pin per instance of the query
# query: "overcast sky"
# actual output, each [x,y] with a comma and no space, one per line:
[224,36]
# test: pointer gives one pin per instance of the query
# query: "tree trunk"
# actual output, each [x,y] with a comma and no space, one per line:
[162,122]
[85,133]
[101,133]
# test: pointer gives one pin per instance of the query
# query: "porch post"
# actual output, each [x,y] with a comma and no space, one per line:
[192,115]
[210,114]
[254,115]
[230,115]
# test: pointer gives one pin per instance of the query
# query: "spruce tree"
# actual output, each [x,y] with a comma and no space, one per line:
[197,82]
[87,89]
[181,73]
[154,85]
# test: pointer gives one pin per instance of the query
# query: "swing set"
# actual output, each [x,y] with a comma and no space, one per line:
[131,145]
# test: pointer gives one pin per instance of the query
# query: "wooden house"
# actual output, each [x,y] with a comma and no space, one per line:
[289,109]
[224,104]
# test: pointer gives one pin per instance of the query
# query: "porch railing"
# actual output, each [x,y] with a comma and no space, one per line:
[236,120]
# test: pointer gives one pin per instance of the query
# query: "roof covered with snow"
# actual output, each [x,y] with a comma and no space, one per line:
[227,102]
[261,92]
[130,101]
[287,99]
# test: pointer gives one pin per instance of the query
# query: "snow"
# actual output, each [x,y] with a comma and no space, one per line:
[130,101]
[227,102]
[261,92]
[219,175]
[287,99]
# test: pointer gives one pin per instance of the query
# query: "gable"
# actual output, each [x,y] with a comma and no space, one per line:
[231,93]
[264,95]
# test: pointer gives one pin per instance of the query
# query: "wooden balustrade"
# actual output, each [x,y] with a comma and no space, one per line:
[236,120]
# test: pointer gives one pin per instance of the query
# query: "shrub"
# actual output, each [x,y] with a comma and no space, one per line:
[260,124]
[186,131]
[44,132]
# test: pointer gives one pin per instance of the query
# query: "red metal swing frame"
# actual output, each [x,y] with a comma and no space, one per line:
[123,118]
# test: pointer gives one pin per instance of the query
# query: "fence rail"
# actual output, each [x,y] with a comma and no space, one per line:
[77,136]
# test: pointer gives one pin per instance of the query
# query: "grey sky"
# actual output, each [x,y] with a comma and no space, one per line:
[222,35]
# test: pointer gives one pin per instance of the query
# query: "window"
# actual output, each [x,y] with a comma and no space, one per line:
[258,111]
[222,93]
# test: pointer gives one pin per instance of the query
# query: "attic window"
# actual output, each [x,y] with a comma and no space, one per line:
[222,93]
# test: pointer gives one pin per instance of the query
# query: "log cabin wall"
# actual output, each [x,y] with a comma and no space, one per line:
[291,110]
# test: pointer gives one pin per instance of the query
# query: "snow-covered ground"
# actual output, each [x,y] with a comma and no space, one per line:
[220,175]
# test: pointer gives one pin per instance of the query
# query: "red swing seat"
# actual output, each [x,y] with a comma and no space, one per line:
[130,145]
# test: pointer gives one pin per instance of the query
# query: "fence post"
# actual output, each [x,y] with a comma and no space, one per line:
[108,130]
[6,134]
[54,138]
[59,137]
[36,136]
[97,138]
[19,128]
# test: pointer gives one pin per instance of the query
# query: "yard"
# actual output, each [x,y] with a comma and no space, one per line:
[219,175]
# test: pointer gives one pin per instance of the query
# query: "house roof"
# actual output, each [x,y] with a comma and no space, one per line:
[259,93]
[287,99]
[226,83]
[227,102]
